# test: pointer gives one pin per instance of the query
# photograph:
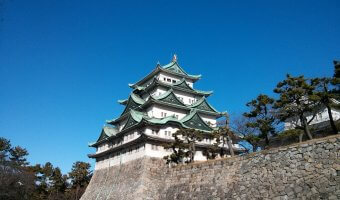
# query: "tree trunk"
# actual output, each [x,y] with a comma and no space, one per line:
[230,146]
[77,191]
[305,127]
[331,120]
[222,149]
[300,137]
[193,151]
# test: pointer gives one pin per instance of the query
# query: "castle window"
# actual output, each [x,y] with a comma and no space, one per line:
[154,132]
[173,81]
[163,114]
[176,116]
[154,147]
[168,80]
[164,79]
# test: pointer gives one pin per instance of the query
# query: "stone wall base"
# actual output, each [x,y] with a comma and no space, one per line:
[309,170]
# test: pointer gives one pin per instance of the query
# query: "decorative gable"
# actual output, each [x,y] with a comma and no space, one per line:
[102,136]
[204,105]
[196,122]
[130,122]
[131,104]
[183,84]
[172,99]
[176,68]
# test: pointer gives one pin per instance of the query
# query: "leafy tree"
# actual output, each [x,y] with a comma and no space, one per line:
[58,184]
[297,101]
[326,95]
[250,136]
[336,69]
[16,182]
[80,176]
[43,176]
[190,137]
[184,145]
[262,115]
[5,146]
[212,152]
[178,151]
[225,137]
[18,156]
[20,181]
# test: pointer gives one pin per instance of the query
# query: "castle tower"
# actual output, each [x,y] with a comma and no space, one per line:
[160,103]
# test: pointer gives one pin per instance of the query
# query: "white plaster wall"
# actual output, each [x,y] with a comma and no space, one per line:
[181,95]
[161,131]
[320,117]
[129,136]
[121,157]
[156,111]
[209,118]
[186,97]
[163,75]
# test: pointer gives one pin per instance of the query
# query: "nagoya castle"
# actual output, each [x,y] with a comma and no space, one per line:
[160,103]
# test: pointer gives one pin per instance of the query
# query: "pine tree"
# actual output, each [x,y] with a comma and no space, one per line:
[262,116]
[80,176]
[190,137]
[184,145]
[5,146]
[327,95]
[297,101]
[18,156]
[178,151]
[58,184]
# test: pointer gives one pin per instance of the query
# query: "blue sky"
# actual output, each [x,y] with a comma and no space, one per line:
[64,64]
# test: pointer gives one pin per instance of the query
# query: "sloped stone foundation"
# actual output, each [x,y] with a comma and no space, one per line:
[310,170]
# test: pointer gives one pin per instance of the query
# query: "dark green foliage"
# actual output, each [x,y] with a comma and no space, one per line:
[5,147]
[16,181]
[262,118]
[297,101]
[336,69]
[327,94]
[179,151]
[214,150]
[20,181]
[222,137]
[184,146]
[80,176]
[18,156]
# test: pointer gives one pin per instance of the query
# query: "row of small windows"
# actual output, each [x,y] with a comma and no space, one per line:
[117,142]
[164,114]
[190,101]
[156,132]
[122,153]
[169,80]
[156,148]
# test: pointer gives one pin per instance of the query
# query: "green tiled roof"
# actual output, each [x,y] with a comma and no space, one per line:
[107,132]
[171,68]
[202,104]
[133,103]
[192,120]
[169,97]
[174,67]
[179,86]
